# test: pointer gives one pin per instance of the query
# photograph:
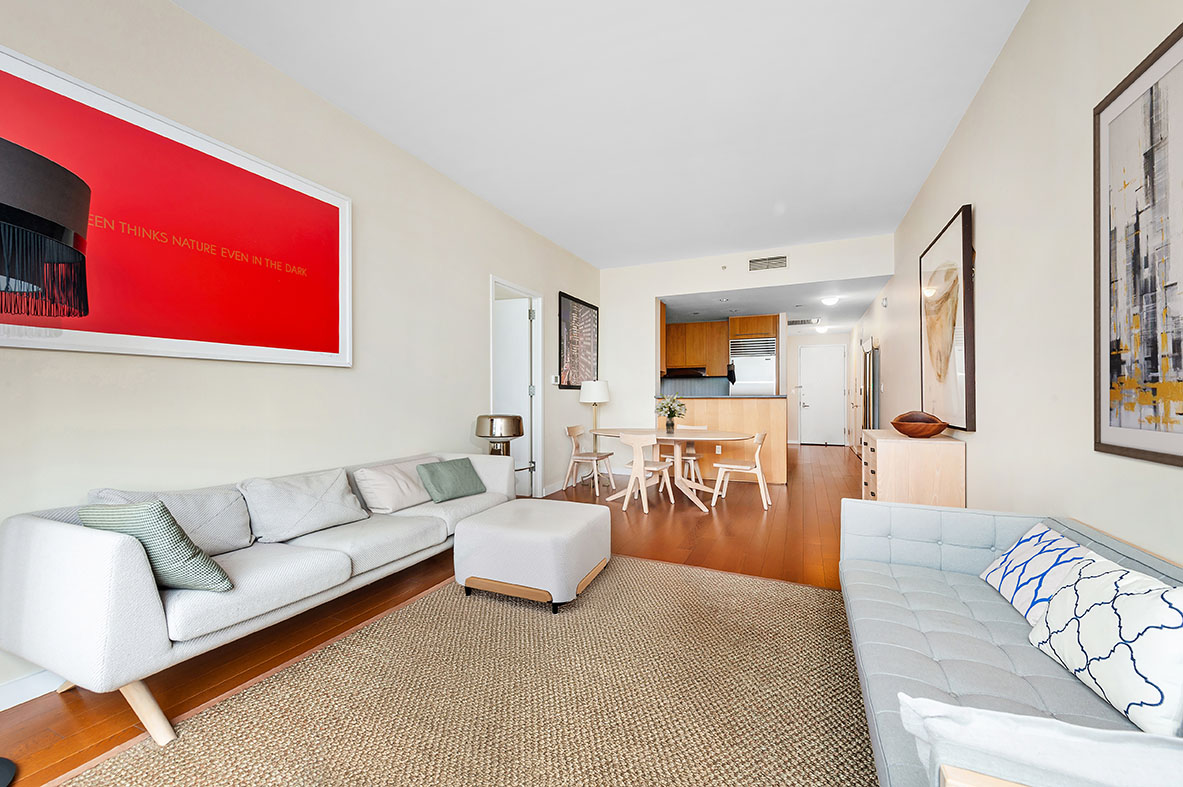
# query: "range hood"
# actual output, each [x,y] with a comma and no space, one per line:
[686,371]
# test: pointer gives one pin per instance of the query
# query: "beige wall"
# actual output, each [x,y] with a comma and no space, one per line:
[1022,156]
[424,249]
[790,358]
[628,301]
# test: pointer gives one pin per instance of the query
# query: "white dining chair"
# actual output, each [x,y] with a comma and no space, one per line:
[725,469]
[581,457]
[692,469]
[644,472]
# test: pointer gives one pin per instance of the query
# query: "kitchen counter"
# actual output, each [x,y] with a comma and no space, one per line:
[746,414]
[759,396]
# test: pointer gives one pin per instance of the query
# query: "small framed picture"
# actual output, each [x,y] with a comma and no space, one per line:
[579,341]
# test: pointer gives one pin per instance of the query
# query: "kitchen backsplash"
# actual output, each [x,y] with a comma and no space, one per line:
[695,386]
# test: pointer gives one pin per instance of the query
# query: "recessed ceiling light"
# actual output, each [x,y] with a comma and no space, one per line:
[830,300]
[821,329]
[734,311]
[724,300]
[696,312]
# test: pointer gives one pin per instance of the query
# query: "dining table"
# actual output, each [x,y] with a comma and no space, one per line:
[679,438]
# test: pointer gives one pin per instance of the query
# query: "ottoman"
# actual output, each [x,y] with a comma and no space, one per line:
[542,550]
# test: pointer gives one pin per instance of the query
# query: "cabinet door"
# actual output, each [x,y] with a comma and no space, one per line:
[675,345]
[718,353]
[696,344]
[754,326]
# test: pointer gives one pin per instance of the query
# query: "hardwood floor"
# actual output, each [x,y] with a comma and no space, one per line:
[796,540]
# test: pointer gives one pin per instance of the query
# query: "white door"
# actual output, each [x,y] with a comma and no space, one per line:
[511,376]
[821,404]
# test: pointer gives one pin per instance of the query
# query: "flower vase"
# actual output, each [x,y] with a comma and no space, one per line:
[669,426]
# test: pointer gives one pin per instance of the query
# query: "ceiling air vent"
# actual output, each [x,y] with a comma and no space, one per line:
[768,263]
[811,321]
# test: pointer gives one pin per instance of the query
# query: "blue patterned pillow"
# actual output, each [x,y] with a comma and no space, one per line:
[1030,572]
[1121,633]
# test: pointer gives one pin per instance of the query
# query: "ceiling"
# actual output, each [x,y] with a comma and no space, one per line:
[798,301]
[639,132]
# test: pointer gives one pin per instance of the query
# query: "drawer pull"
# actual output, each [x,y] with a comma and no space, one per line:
[872,472]
[865,483]
[872,494]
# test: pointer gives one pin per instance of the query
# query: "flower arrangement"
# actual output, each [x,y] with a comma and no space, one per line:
[671,407]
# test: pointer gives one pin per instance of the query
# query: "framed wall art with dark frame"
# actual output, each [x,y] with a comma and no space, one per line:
[947,378]
[579,341]
[1138,261]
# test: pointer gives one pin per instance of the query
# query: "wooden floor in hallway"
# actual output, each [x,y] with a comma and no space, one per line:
[796,540]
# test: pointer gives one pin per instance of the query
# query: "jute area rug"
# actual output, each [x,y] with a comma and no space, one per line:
[659,674]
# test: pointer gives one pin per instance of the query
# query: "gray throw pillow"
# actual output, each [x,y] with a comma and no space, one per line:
[175,559]
[283,508]
[450,480]
[215,517]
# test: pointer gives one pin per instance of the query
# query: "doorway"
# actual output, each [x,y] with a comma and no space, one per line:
[515,374]
[821,403]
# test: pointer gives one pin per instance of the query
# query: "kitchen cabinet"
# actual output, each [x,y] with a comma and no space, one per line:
[718,353]
[757,326]
[675,345]
[697,345]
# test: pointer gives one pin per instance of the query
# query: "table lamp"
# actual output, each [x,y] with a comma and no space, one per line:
[593,392]
[499,430]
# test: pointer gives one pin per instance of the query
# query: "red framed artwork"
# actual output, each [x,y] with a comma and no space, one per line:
[123,232]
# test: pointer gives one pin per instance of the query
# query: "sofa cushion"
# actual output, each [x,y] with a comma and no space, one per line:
[392,487]
[950,637]
[175,560]
[215,517]
[379,540]
[451,479]
[452,511]
[290,506]
[1031,571]
[265,576]
[1031,750]
[1121,633]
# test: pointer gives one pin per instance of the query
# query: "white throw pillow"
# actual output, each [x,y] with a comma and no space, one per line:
[1034,750]
[393,487]
[283,508]
[1121,633]
[1031,571]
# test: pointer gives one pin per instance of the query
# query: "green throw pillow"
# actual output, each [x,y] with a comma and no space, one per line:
[176,561]
[450,480]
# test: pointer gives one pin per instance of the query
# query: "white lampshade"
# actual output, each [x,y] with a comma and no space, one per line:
[593,392]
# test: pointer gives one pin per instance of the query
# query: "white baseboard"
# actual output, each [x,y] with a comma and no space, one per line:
[26,687]
[552,488]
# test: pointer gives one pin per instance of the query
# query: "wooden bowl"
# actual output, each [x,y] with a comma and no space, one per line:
[918,424]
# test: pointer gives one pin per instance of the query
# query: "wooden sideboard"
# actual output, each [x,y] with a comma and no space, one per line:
[898,469]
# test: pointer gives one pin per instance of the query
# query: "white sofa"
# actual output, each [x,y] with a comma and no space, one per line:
[83,603]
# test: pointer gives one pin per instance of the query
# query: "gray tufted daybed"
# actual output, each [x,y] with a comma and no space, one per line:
[924,624]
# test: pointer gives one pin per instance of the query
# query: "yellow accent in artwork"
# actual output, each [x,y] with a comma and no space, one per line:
[1136,322]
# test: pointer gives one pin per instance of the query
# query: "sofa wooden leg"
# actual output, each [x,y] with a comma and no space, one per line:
[151,716]
[62,689]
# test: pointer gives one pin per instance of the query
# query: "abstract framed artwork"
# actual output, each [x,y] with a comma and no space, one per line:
[579,341]
[123,232]
[947,324]
[1138,261]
